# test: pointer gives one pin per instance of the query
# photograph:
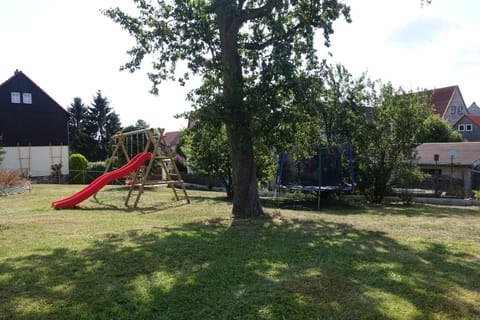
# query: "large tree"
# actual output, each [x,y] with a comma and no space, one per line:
[245,49]
[103,123]
[206,150]
[80,140]
[386,145]
[334,109]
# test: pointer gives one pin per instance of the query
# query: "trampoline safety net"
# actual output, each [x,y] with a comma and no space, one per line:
[321,171]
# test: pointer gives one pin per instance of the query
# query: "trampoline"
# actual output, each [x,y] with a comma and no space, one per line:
[321,171]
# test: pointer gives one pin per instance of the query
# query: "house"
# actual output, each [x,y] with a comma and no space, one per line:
[34,128]
[459,160]
[469,127]
[448,103]
[172,138]
[474,109]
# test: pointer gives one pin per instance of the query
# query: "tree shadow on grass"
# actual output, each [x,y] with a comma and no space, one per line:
[342,206]
[249,269]
[310,203]
[216,199]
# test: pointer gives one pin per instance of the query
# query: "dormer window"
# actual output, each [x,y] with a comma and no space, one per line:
[468,127]
[461,127]
[27,98]
[15,97]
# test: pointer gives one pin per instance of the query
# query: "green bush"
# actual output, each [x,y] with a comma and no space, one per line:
[476,194]
[78,165]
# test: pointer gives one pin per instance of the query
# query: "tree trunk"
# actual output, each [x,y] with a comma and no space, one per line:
[246,201]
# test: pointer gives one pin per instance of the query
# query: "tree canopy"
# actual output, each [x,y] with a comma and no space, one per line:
[80,140]
[250,55]
[386,144]
[91,128]
[103,123]
[435,129]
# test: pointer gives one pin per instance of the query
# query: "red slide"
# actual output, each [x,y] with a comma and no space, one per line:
[100,182]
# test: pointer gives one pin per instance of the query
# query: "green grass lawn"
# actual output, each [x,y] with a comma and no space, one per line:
[179,261]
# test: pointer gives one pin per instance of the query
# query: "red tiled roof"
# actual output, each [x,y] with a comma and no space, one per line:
[475,119]
[440,98]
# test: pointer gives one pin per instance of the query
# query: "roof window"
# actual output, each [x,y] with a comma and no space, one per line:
[27,98]
[15,97]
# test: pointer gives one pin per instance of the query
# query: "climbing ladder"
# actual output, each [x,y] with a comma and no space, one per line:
[162,156]
[56,158]
[24,160]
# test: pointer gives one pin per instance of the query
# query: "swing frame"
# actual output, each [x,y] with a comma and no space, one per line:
[155,143]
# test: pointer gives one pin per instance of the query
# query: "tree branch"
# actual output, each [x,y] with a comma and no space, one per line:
[240,5]
[257,46]
[251,14]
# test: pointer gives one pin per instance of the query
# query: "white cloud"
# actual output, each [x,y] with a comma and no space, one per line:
[421,31]
[398,41]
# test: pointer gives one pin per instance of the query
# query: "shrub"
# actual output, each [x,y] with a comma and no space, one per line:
[12,182]
[56,171]
[9,178]
[78,165]
[476,194]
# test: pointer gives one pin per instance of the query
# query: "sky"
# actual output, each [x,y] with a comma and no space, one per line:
[70,49]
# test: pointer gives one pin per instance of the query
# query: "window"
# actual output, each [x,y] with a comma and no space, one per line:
[461,127]
[27,98]
[15,97]
[453,109]
[468,127]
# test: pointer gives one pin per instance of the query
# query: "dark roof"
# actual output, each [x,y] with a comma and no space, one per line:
[441,98]
[18,74]
[172,138]
[467,153]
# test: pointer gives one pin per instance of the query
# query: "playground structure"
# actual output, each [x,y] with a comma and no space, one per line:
[100,182]
[148,144]
[153,141]
[320,172]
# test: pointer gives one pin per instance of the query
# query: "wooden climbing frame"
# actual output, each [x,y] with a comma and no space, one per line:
[154,142]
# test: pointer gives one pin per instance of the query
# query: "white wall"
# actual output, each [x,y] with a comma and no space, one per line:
[40,159]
